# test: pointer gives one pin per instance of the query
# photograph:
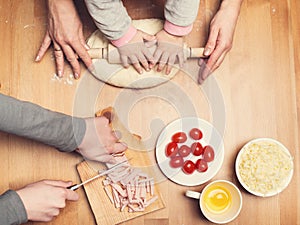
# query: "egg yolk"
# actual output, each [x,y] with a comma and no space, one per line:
[217,199]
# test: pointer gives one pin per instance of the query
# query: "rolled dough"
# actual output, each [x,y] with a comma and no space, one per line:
[116,74]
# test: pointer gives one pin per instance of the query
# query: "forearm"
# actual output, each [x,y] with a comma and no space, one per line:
[181,12]
[34,122]
[110,16]
[12,210]
[180,16]
[235,5]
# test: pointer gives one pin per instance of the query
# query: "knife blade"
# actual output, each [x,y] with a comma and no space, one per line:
[101,173]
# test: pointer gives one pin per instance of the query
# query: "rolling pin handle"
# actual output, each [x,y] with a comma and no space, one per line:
[196,53]
[98,53]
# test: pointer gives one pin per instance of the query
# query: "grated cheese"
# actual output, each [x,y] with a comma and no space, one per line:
[265,168]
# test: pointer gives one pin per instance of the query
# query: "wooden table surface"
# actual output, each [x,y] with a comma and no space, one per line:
[255,93]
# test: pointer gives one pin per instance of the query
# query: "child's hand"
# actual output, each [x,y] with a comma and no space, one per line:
[99,141]
[136,52]
[169,48]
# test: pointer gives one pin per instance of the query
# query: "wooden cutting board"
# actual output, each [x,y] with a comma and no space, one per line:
[104,211]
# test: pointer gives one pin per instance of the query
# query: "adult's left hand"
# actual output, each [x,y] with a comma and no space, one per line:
[100,142]
[220,38]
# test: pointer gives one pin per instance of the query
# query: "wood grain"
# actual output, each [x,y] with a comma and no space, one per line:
[258,82]
[104,211]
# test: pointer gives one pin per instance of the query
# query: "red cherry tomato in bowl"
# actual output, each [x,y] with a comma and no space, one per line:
[171,149]
[176,162]
[184,150]
[188,167]
[201,165]
[179,137]
[197,149]
[208,153]
[196,134]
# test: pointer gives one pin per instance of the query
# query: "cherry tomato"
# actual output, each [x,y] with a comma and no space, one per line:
[201,165]
[176,161]
[188,167]
[196,134]
[184,150]
[171,149]
[208,154]
[197,148]
[179,137]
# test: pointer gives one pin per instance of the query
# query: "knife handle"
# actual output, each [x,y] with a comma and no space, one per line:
[73,187]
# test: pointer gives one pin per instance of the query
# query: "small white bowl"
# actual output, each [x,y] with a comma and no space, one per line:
[265,144]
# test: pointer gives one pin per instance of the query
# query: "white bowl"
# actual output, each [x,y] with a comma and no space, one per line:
[262,168]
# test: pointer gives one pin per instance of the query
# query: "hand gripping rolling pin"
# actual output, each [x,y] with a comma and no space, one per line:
[112,54]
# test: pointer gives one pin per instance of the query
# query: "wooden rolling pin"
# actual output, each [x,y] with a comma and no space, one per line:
[112,55]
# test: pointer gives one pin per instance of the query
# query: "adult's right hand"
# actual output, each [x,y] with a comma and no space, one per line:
[44,199]
[65,31]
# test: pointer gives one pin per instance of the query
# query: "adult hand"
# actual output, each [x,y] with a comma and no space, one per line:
[220,37]
[136,52]
[65,31]
[44,199]
[169,48]
[100,142]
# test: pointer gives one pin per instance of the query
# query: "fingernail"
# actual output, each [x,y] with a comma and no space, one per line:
[140,71]
[206,51]
[37,58]
[76,75]
[59,73]
[87,47]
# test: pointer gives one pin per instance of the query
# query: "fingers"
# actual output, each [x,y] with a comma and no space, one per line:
[216,48]
[58,183]
[81,50]
[136,64]
[211,42]
[59,60]
[44,47]
[72,59]
[211,64]
[66,193]
[71,195]
[119,147]
[71,51]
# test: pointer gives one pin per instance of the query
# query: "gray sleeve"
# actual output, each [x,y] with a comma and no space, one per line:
[12,210]
[31,121]
[181,12]
[110,16]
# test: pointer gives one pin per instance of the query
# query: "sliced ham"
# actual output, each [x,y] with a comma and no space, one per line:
[129,187]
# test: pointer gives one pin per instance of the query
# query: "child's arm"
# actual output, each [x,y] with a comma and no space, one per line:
[111,17]
[179,15]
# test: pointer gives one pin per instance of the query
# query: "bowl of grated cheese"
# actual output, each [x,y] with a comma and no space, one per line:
[264,167]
